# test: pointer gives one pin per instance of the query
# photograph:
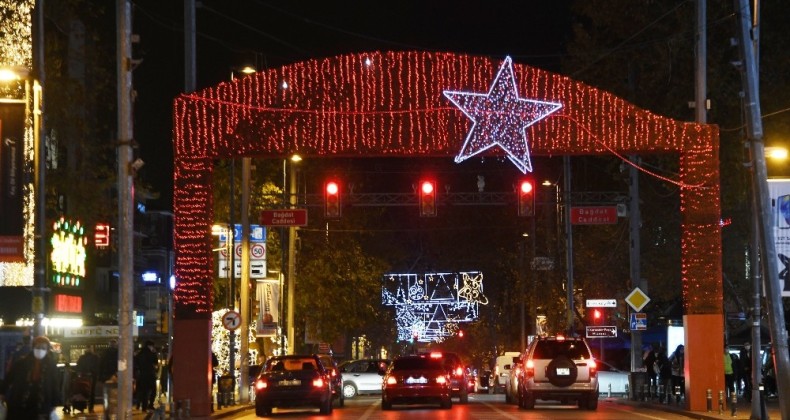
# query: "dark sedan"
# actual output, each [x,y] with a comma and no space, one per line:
[293,381]
[337,380]
[416,380]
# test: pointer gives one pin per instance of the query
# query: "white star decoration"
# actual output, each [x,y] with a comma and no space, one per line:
[500,118]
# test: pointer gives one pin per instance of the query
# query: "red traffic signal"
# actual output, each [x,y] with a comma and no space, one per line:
[332,207]
[526,198]
[460,333]
[427,199]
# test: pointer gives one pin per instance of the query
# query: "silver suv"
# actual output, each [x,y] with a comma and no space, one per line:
[558,368]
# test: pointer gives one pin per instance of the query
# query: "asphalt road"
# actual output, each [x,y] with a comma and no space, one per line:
[480,406]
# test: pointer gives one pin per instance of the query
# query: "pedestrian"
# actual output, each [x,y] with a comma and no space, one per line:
[746,371]
[649,361]
[88,369]
[737,372]
[729,378]
[108,363]
[677,364]
[31,389]
[146,364]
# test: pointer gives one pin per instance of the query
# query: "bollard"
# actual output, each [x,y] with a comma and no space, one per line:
[645,391]
[733,403]
[677,394]
[652,392]
[627,393]
[609,391]
[721,402]
[709,399]
[661,393]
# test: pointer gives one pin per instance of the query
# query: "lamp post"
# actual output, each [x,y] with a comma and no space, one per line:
[291,255]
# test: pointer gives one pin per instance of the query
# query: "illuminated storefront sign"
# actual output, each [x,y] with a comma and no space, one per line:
[67,303]
[68,253]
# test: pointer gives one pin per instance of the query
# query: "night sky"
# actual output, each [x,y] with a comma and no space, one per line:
[269,34]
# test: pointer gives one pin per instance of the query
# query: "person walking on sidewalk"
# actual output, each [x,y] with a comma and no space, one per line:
[746,371]
[146,363]
[88,366]
[31,388]
[677,364]
[729,378]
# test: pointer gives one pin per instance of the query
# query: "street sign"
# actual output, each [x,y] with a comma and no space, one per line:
[542,264]
[637,299]
[601,331]
[638,321]
[231,320]
[290,217]
[601,303]
[596,215]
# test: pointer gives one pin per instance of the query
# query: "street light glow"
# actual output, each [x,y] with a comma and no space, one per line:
[776,153]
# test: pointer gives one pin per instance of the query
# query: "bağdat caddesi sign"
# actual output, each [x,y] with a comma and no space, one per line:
[286,217]
[597,215]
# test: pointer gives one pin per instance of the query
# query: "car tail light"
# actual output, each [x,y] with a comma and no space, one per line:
[593,368]
[333,373]
[441,380]
[261,384]
[318,382]
[459,371]
[529,368]
[560,338]
[391,380]
[436,355]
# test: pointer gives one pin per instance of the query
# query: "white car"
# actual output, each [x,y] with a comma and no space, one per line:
[362,376]
[609,375]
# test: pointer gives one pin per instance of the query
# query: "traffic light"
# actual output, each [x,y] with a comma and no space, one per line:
[427,199]
[460,333]
[595,316]
[526,198]
[332,205]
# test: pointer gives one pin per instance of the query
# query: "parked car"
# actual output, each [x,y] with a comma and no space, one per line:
[502,370]
[293,381]
[559,368]
[456,371]
[609,375]
[362,376]
[337,380]
[484,383]
[416,379]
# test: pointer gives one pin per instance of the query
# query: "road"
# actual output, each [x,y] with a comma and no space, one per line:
[481,407]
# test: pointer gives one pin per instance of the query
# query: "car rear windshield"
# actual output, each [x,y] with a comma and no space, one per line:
[552,349]
[417,363]
[291,364]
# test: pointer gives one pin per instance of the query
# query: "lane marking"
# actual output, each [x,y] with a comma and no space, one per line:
[637,413]
[499,411]
[370,409]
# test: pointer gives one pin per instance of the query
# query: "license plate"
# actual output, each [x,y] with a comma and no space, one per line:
[420,380]
[293,382]
[563,371]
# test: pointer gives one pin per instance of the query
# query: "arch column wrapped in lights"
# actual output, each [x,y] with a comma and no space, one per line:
[392,104]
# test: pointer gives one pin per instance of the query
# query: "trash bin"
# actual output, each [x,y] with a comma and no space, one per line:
[225,391]
[636,382]
[111,399]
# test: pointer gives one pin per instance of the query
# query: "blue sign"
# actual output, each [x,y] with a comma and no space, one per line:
[257,234]
[638,321]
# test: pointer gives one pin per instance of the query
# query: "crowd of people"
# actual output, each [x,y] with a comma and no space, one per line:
[33,385]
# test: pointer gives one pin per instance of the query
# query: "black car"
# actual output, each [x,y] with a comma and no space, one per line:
[456,371]
[416,380]
[337,379]
[293,381]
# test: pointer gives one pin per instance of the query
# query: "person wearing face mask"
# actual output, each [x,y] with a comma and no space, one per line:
[31,387]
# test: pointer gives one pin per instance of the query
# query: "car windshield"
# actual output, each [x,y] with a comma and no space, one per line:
[552,349]
[417,363]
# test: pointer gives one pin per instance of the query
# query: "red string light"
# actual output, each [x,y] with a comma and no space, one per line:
[392,104]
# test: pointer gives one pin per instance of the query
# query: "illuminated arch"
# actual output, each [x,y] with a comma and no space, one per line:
[392,104]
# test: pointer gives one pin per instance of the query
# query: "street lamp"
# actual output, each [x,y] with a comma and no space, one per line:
[295,159]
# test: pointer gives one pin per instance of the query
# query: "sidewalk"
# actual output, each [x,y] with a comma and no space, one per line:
[743,409]
[98,413]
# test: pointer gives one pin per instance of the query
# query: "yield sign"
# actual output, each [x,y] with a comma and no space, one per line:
[637,299]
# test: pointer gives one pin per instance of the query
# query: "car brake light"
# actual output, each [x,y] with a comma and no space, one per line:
[318,383]
[459,371]
[391,380]
[529,368]
[441,380]
[560,338]
[593,368]
[261,384]
[436,355]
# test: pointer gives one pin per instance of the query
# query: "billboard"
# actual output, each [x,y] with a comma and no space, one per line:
[779,190]
[12,145]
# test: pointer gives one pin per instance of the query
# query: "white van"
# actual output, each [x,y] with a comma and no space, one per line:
[502,370]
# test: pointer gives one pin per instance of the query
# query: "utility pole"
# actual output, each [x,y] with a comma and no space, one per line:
[244,292]
[634,223]
[40,247]
[754,129]
[566,166]
[125,209]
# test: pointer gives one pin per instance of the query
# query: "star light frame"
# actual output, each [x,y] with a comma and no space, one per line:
[507,104]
